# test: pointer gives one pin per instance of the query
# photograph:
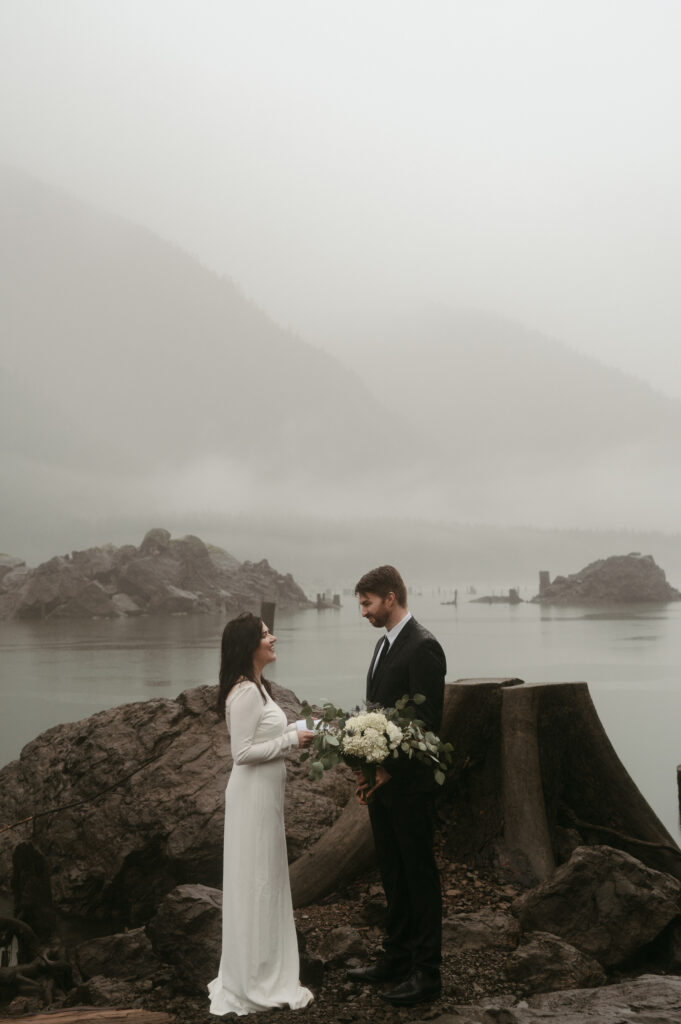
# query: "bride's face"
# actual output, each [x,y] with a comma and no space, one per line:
[264,653]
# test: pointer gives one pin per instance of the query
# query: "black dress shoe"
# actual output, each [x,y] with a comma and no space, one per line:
[418,988]
[382,970]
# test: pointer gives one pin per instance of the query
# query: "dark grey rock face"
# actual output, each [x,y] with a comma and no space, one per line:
[649,999]
[620,579]
[482,930]
[163,576]
[10,570]
[602,901]
[186,932]
[129,803]
[545,963]
[125,955]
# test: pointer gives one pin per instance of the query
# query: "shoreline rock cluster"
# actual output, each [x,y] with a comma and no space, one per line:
[162,576]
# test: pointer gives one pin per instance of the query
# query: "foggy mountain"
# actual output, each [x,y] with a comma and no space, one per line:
[536,432]
[134,378]
[139,388]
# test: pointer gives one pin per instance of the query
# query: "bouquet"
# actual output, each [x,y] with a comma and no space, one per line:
[366,739]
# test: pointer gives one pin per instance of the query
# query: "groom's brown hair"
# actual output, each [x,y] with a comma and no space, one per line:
[383,580]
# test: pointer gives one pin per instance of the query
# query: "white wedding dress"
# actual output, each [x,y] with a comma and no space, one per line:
[259,964]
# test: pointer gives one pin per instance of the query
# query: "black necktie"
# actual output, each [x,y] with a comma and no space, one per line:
[381,653]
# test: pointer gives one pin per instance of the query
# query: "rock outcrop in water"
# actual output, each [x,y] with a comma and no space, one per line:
[161,576]
[620,579]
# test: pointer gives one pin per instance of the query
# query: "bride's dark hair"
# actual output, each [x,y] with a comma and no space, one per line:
[240,640]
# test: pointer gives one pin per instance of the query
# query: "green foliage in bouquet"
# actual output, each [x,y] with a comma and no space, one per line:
[366,739]
[324,752]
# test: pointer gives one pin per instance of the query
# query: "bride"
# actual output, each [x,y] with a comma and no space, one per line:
[259,963]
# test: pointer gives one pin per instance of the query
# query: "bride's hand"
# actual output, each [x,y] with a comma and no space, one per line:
[305,738]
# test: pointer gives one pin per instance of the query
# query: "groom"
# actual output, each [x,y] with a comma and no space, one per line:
[407,660]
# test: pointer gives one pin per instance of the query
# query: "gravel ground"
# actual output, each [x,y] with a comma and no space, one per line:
[467,976]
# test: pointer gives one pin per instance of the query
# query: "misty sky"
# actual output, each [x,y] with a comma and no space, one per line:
[343,160]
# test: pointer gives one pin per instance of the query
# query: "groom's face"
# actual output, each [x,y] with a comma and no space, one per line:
[376,609]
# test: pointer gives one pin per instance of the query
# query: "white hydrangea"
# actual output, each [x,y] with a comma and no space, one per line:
[367,720]
[365,737]
[395,735]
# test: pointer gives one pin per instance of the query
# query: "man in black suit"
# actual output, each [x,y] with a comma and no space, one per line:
[407,660]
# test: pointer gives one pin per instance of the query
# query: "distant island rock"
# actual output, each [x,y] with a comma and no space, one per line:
[162,576]
[620,579]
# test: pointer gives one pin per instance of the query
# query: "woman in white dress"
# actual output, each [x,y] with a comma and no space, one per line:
[259,964]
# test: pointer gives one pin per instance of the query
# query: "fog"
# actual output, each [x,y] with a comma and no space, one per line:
[418,190]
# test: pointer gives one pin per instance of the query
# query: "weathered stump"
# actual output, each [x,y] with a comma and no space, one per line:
[534,775]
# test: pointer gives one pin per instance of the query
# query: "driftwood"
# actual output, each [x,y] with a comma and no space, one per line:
[95,1015]
[37,972]
[534,775]
[342,853]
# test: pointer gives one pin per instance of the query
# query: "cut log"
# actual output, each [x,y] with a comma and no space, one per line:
[342,853]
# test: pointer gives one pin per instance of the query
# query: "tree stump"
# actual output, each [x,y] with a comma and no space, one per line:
[533,776]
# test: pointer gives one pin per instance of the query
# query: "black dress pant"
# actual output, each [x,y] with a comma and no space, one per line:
[403,826]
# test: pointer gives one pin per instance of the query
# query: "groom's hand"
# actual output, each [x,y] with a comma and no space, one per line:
[363,791]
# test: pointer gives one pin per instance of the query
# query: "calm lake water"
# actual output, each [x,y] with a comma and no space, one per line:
[61,672]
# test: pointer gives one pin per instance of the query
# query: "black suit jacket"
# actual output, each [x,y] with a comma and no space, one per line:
[414,664]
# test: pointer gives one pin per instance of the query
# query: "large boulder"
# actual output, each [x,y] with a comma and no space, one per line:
[162,576]
[649,999]
[124,955]
[186,932]
[129,803]
[93,601]
[545,963]
[602,901]
[485,929]
[620,579]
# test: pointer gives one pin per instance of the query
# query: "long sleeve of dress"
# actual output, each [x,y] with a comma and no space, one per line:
[246,708]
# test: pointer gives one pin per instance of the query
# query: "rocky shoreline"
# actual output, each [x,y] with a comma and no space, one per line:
[162,576]
[111,837]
